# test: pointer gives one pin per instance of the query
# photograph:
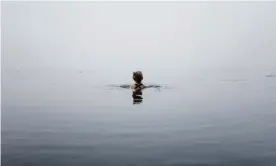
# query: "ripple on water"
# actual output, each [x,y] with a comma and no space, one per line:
[152,86]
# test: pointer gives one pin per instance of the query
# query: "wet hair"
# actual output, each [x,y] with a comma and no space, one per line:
[137,76]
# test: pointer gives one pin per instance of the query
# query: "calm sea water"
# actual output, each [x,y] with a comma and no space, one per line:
[63,64]
[65,116]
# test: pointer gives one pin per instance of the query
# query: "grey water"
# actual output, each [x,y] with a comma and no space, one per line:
[60,117]
[66,70]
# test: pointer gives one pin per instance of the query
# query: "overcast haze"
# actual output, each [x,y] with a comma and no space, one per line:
[210,69]
[139,35]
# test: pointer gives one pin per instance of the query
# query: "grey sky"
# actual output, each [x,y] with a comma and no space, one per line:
[138,35]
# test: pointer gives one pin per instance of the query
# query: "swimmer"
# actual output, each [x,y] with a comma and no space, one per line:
[137,87]
[137,77]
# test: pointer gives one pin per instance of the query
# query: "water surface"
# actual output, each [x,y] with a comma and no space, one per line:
[65,67]
[66,118]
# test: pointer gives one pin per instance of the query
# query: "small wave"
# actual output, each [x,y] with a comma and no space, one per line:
[154,86]
[125,86]
[159,86]
[270,75]
[233,80]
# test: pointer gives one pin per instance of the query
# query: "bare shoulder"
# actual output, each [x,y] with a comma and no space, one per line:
[132,86]
[137,87]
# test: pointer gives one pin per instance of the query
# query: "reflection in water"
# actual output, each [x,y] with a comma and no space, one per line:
[137,96]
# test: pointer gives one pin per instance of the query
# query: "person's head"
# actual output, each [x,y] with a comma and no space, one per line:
[137,76]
